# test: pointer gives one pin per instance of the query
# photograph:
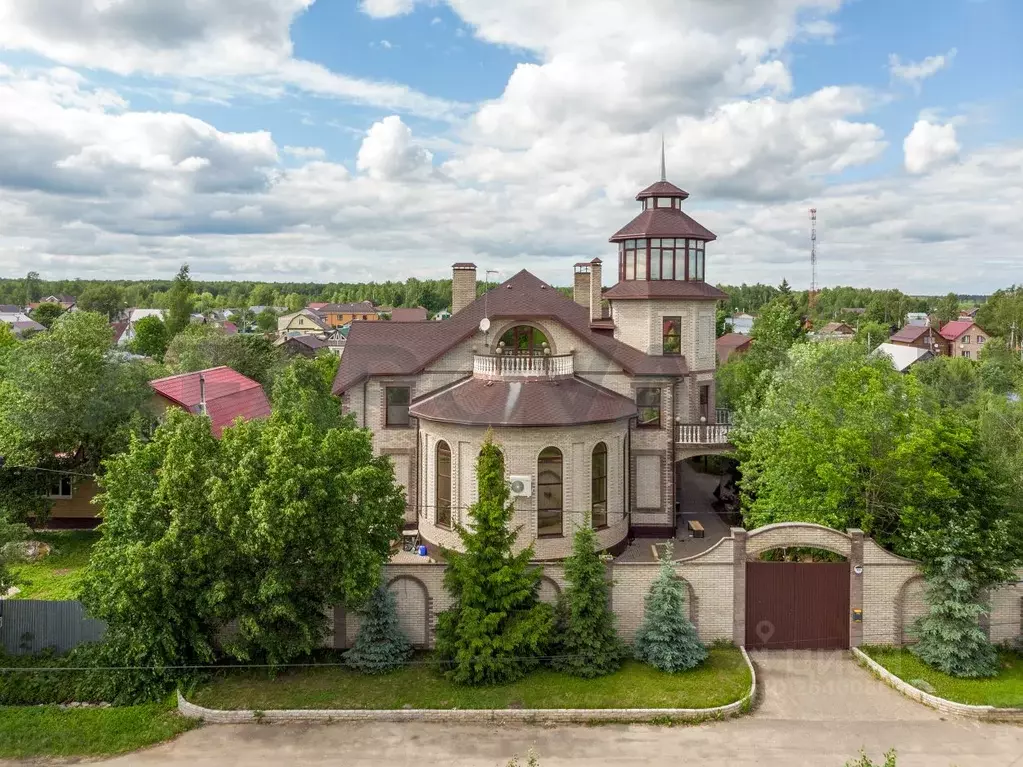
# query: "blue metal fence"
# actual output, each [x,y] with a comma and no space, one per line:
[31,625]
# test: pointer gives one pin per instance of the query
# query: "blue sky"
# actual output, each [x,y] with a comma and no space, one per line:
[328,140]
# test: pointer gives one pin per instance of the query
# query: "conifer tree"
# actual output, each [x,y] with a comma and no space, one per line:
[951,639]
[381,645]
[588,645]
[497,628]
[667,639]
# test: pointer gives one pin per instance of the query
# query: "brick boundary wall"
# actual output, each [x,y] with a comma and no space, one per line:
[577,715]
[945,706]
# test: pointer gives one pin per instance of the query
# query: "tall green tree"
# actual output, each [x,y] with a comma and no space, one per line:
[1002,314]
[587,642]
[497,628]
[150,338]
[180,302]
[107,299]
[263,529]
[266,321]
[667,639]
[871,334]
[949,381]
[1001,368]
[202,346]
[32,288]
[742,381]
[946,309]
[45,314]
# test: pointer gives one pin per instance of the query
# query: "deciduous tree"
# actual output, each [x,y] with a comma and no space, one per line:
[497,628]
[45,314]
[150,338]
[106,299]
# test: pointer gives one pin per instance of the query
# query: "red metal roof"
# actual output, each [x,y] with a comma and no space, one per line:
[379,348]
[230,328]
[663,222]
[956,328]
[662,189]
[229,395]
[564,402]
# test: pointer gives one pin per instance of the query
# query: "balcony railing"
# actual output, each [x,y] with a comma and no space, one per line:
[703,433]
[516,366]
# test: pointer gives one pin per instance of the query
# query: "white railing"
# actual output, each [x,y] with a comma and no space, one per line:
[723,415]
[703,433]
[514,366]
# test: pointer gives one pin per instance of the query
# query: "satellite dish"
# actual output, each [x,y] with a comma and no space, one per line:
[484,325]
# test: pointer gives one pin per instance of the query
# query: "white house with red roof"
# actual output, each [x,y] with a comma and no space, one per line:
[220,393]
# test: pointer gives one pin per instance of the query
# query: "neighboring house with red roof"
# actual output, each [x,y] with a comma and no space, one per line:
[221,393]
[731,344]
[922,337]
[593,409]
[964,338]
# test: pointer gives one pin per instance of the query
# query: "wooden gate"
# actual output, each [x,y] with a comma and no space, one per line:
[797,605]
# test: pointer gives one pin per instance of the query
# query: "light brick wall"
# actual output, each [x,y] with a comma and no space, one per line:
[521,448]
[639,323]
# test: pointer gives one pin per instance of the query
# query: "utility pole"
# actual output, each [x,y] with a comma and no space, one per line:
[812,299]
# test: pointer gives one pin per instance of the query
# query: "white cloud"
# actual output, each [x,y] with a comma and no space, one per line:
[915,72]
[928,145]
[243,45]
[388,152]
[381,9]
[305,152]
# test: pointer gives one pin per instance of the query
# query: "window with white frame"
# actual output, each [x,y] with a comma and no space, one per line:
[60,486]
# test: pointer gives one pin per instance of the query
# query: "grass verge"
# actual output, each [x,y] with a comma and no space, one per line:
[56,576]
[723,679]
[50,731]
[1002,691]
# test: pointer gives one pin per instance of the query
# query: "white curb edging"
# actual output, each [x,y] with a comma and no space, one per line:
[223,716]
[941,704]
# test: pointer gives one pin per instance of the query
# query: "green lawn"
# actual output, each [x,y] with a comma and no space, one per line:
[1002,691]
[49,731]
[57,575]
[723,679]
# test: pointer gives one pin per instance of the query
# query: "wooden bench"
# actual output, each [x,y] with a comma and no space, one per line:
[696,528]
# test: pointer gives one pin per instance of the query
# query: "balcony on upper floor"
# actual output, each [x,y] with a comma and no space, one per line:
[515,367]
[705,433]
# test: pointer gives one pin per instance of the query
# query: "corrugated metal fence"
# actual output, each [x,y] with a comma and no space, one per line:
[31,625]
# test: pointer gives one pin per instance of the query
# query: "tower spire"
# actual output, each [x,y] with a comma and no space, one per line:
[664,172]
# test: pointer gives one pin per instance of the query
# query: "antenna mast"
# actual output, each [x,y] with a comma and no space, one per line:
[813,258]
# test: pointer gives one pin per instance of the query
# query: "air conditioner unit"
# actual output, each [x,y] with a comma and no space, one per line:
[520,486]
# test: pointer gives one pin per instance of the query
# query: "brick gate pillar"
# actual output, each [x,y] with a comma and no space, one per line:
[856,588]
[738,586]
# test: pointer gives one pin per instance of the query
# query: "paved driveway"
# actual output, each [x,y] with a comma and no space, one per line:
[817,710]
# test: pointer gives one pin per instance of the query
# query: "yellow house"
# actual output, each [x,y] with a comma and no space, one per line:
[71,497]
[299,323]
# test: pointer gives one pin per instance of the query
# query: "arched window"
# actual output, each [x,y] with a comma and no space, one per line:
[550,496]
[523,340]
[442,482]
[598,485]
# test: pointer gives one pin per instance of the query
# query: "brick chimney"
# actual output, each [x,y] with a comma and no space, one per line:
[463,286]
[581,286]
[596,290]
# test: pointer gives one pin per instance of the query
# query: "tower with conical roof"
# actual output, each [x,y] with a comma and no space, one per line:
[662,303]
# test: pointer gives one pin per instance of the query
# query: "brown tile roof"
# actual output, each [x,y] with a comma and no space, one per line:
[374,348]
[414,314]
[909,334]
[732,341]
[663,222]
[837,328]
[662,189]
[360,307]
[629,289]
[563,402]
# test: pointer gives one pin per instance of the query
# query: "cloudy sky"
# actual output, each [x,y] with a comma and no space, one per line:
[353,140]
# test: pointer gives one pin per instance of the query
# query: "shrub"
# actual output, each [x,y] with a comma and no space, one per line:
[667,639]
[380,645]
[864,761]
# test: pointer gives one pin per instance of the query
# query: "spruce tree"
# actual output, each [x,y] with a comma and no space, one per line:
[380,645]
[951,639]
[588,645]
[667,639]
[497,628]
